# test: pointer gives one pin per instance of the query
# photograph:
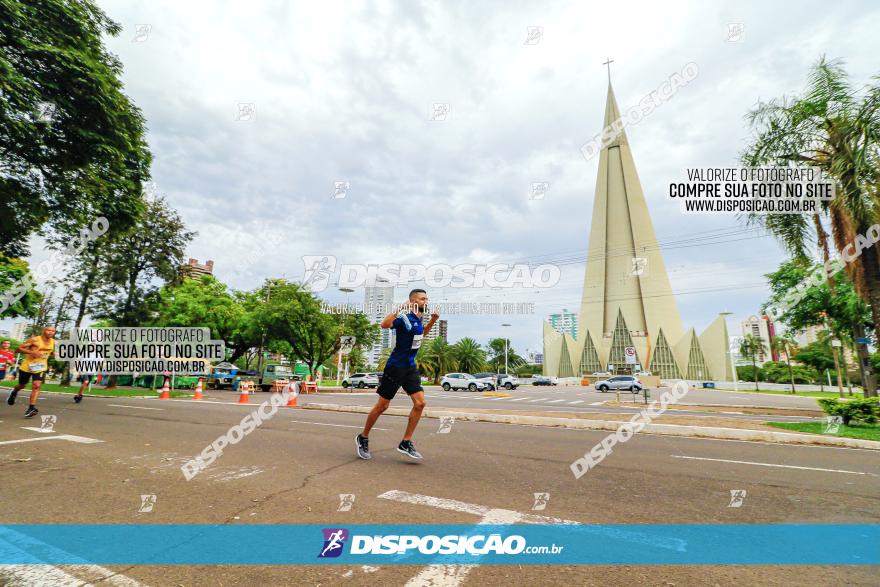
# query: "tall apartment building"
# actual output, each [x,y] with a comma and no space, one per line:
[565,323]
[439,329]
[193,268]
[20,330]
[378,299]
[762,328]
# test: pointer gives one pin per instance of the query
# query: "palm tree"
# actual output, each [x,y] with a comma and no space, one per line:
[437,358]
[785,344]
[751,346]
[836,129]
[469,356]
[383,358]
[496,354]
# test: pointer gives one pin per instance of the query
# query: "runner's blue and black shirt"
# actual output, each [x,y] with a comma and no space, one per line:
[407,341]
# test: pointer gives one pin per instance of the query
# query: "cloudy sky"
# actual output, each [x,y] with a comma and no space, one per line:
[344,91]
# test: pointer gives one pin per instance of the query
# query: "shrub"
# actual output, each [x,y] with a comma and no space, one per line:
[865,410]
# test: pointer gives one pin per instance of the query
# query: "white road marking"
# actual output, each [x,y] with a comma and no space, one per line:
[555,401]
[771,465]
[519,399]
[540,399]
[103,575]
[24,575]
[17,545]
[68,437]
[40,430]
[453,575]
[339,425]
[597,403]
[134,407]
[574,403]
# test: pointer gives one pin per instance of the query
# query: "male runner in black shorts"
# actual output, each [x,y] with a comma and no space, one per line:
[401,371]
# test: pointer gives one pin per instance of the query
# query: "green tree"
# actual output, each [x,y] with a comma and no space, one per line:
[383,358]
[206,302]
[469,356]
[292,314]
[784,343]
[833,305]
[153,248]
[817,355]
[495,355]
[17,294]
[437,358]
[835,128]
[72,142]
[751,346]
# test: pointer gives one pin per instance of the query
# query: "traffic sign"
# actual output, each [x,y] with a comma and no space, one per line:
[346,343]
[863,340]
[630,353]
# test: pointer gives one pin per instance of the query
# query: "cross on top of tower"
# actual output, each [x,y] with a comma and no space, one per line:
[608,65]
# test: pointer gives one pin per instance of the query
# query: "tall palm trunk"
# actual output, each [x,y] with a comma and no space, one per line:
[755,371]
[790,371]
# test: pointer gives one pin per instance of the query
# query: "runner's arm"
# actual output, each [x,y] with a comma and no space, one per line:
[388,320]
[29,348]
[434,317]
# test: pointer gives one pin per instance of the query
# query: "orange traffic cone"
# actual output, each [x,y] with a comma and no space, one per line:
[243,397]
[291,399]
[198,393]
[166,391]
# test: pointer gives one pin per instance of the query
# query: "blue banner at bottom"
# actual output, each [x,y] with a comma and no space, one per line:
[489,544]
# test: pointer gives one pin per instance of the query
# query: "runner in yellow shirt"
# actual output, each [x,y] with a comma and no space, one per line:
[36,350]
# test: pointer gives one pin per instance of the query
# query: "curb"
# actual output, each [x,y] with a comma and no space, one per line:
[661,429]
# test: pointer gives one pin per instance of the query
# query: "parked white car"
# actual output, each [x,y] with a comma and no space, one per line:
[361,380]
[462,381]
[498,381]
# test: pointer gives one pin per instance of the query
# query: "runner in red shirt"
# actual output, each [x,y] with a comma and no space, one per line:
[7,359]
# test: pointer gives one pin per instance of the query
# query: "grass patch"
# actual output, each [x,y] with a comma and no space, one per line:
[861,431]
[799,393]
[116,392]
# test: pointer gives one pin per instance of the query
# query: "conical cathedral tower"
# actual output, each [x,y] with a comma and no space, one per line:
[627,301]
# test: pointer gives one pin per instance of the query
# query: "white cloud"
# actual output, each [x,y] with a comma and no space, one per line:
[343,92]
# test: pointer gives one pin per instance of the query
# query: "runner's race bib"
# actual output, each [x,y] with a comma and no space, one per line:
[417,341]
[37,366]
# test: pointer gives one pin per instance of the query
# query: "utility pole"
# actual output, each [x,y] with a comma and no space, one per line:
[505,350]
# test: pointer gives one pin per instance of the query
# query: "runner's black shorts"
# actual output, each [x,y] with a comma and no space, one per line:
[393,378]
[24,377]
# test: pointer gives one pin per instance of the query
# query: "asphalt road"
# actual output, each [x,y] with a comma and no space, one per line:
[579,399]
[293,468]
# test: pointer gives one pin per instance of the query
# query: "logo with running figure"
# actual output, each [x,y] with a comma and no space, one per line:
[334,542]
[318,269]
[48,423]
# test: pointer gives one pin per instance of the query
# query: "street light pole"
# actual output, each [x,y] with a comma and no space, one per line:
[730,352]
[505,350]
[346,291]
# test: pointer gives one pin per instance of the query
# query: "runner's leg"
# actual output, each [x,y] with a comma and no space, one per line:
[418,400]
[380,407]
[35,391]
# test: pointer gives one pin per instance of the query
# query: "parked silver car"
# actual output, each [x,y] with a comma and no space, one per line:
[627,382]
